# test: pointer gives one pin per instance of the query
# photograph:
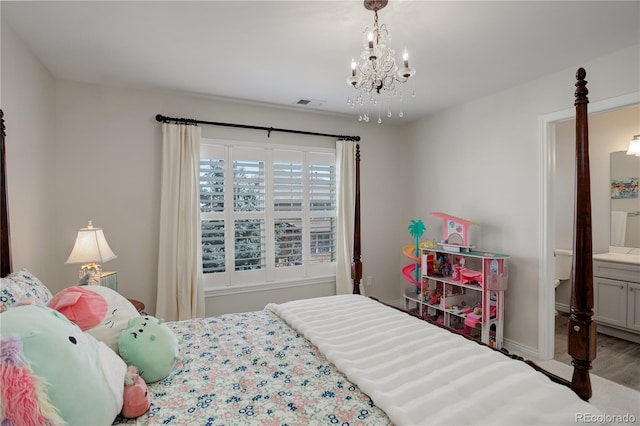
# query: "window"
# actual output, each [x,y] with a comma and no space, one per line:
[268,213]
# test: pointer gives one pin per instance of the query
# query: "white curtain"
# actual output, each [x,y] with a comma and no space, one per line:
[345,164]
[180,292]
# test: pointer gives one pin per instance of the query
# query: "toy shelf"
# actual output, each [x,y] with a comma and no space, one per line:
[463,291]
[449,280]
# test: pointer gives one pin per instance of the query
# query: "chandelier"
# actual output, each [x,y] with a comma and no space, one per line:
[376,74]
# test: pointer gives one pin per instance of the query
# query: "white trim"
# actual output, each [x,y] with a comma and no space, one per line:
[547,227]
[251,288]
[515,348]
[398,303]
[267,154]
[546,265]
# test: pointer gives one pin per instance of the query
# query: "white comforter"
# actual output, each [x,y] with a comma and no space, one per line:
[420,374]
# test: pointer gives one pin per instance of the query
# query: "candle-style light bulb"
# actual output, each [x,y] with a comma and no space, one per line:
[370,38]
[353,67]
[405,57]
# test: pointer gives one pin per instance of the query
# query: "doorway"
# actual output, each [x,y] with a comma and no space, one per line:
[546,290]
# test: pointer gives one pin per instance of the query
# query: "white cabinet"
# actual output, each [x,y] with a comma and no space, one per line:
[617,298]
[611,301]
[633,306]
[464,291]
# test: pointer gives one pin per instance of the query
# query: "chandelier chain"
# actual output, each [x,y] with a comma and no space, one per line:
[376,28]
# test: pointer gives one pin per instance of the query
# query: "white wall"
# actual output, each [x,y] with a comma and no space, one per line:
[481,161]
[28,96]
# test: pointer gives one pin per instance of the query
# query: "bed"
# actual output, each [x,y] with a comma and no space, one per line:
[351,360]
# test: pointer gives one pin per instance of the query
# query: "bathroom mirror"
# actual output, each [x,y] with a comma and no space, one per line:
[625,200]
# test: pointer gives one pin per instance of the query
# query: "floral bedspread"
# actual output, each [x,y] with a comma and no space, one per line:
[253,369]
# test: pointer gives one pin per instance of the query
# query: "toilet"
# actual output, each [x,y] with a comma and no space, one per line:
[564,261]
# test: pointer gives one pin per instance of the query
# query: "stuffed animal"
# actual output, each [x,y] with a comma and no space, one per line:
[100,311]
[53,373]
[150,346]
[136,394]
[112,319]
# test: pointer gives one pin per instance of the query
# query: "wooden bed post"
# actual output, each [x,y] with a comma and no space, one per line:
[5,252]
[356,265]
[581,327]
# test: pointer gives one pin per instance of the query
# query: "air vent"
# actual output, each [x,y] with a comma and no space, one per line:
[309,102]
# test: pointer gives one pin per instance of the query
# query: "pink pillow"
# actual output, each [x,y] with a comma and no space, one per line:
[83,307]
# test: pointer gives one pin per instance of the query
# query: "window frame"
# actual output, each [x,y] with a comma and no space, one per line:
[308,273]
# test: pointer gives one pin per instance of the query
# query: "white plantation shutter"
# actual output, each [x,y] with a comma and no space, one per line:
[288,242]
[322,207]
[288,191]
[322,188]
[248,185]
[268,213]
[213,246]
[211,185]
[212,207]
[323,239]
[249,244]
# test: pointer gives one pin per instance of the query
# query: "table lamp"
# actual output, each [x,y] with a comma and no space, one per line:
[91,249]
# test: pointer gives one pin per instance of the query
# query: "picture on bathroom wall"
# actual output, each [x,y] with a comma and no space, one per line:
[624,188]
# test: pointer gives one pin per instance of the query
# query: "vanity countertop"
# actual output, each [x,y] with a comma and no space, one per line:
[620,255]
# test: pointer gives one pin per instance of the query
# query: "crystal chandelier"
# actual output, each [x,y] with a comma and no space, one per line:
[376,74]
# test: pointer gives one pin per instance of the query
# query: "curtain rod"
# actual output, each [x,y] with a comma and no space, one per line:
[163,118]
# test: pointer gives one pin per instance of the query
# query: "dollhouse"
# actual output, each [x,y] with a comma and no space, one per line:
[455,232]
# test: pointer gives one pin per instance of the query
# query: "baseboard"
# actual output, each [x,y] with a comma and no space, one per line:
[620,334]
[519,349]
[399,303]
[563,307]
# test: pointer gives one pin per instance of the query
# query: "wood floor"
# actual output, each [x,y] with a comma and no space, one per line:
[616,359]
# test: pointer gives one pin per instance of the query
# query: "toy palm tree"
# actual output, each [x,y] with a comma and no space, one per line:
[416,229]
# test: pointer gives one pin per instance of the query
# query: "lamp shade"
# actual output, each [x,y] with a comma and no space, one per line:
[634,146]
[91,246]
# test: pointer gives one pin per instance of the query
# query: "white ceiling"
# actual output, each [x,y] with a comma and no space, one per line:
[277,52]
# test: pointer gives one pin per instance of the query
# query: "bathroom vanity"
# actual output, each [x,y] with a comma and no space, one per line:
[616,283]
[616,274]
